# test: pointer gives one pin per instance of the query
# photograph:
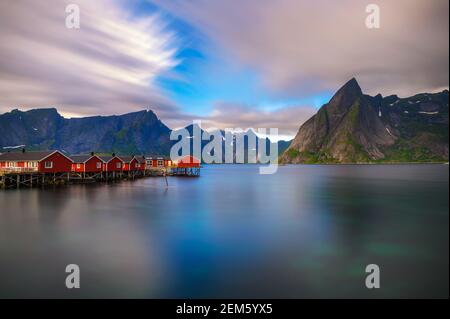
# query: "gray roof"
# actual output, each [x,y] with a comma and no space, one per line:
[25,156]
[82,158]
[158,157]
[141,159]
[126,159]
[106,158]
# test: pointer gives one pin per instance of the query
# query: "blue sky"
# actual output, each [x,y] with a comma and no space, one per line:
[231,64]
[205,76]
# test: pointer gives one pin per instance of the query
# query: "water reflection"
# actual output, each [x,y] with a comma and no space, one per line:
[307,231]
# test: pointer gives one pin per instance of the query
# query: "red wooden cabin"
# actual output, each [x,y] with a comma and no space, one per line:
[41,162]
[155,161]
[130,163]
[142,162]
[188,161]
[112,163]
[87,163]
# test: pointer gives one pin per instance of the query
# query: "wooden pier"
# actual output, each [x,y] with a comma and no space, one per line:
[185,171]
[29,179]
[42,168]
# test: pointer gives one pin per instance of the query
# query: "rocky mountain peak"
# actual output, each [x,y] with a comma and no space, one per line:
[354,128]
[347,94]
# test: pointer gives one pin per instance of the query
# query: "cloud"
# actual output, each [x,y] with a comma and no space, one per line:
[234,115]
[108,66]
[309,46]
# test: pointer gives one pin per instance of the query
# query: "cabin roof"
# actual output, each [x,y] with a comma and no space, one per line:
[25,156]
[107,158]
[82,158]
[126,159]
[189,158]
[158,157]
[141,159]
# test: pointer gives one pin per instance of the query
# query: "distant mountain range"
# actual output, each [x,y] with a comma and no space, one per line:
[133,133]
[43,129]
[245,136]
[358,128]
[351,128]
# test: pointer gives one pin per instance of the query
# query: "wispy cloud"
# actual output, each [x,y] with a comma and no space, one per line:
[108,66]
[302,46]
[233,115]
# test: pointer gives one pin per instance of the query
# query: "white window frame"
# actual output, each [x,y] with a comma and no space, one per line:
[119,165]
[160,162]
[48,166]
[78,165]
[99,165]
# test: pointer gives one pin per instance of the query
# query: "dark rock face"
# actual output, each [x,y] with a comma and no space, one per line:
[42,129]
[357,128]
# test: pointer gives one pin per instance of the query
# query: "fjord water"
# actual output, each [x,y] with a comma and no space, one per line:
[306,231]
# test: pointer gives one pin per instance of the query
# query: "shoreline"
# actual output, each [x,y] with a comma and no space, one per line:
[335,164]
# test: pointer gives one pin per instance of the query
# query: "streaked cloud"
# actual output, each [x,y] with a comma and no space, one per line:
[108,66]
[233,115]
[301,46]
[218,61]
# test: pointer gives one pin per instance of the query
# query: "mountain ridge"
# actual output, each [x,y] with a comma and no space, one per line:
[42,129]
[357,128]
[140,132]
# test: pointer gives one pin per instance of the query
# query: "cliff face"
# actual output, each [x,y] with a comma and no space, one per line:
[357,128]
[138,132]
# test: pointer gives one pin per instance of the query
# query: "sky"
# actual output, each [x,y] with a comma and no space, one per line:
[229,63]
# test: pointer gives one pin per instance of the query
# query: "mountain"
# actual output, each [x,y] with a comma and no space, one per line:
[357,128]
[133,133]
[244,136]
[42,129]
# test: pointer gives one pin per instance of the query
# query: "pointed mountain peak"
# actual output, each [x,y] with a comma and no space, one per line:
[351,87]
[347,94]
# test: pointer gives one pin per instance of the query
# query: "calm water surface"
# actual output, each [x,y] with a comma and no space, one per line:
[307,231]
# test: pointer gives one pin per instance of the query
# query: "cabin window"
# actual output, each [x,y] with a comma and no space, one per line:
[11,164]
[32,164]
[78,166]
[119,165]
[99,164]
[138,165]
[160,163]
[48,164]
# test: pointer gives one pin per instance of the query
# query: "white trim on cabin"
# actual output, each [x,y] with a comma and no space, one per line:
[114,158]
[92,157]
[54,153]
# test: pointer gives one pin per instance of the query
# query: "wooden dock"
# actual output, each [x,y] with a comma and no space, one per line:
[30,178]
[185,171]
